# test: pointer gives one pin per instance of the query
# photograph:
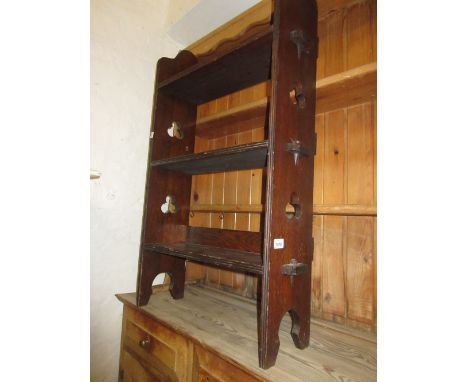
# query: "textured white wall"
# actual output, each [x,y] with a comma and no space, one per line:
[127,38]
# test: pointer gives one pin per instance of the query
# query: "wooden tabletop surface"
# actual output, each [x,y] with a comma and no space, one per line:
[227,324]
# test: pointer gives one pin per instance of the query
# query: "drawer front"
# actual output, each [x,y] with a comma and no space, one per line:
[134,369]
[159,352]
[208,367]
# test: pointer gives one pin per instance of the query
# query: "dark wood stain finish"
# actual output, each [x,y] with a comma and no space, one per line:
[289,121]
[226,72]
[168,241]
[231,259]
[241,240]
[242,157]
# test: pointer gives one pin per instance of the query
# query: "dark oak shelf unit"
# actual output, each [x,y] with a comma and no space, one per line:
[241,157]
[230,259]
[241,67]
[284,52]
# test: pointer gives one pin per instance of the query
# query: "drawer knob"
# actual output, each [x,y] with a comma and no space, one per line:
[145,343]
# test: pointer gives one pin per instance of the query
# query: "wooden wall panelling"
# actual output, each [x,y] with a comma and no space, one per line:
[344,271]
[243,220]
[230,197]
[333,278]
[360,269]
[360,155]
[322,32]
[334,158]
[334,53]
[347,38]
[200,194]
[238,279]
[359,44]
[233,187]
[217,186]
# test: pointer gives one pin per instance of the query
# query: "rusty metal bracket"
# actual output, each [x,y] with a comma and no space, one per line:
[293,268]
[296,148]
[303,43]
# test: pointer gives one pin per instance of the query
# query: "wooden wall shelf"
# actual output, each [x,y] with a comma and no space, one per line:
[347,88]
[241,157]
[284,52]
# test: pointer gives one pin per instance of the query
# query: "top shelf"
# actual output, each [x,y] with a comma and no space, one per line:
[225,72]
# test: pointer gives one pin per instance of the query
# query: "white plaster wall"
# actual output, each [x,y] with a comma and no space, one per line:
[127,38]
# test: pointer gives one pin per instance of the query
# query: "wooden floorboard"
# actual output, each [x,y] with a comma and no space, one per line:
[228,324]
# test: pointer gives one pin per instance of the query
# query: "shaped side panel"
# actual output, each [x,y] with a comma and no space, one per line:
[289,177]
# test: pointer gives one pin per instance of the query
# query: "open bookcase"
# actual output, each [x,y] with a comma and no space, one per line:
[283,52]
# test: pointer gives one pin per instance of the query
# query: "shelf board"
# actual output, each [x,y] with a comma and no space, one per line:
[242,157]
[225,72]
[346,88]
[233,120]
[231,259]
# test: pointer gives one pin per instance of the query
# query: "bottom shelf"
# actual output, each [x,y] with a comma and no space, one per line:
[231,259]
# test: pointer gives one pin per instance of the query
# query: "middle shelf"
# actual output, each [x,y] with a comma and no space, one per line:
[242,157]
[232,259]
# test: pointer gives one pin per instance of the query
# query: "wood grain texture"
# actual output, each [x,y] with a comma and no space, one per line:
[233,120]
[247,156]
[360,293]
[333,288]
[246,64]
[221,257]
[223,330]
[349,173]
[165,358]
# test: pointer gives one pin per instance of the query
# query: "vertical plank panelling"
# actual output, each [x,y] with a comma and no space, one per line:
[334,52]
[374,251]
[333,279]
[317,268]
[360,274]
[358,34]
[322,33]
[319,158]
[200,194]
[360,150]
[334,158]
[219,187]
[217,194]
[373,23]
[229,220]
[333,268]
[374,145]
